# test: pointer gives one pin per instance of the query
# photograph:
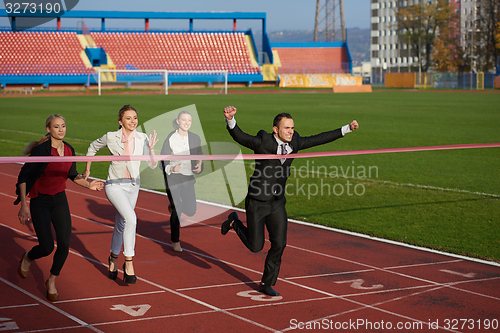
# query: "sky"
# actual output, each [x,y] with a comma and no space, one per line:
[280,14]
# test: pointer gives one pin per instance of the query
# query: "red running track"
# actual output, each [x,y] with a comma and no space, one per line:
[342,282]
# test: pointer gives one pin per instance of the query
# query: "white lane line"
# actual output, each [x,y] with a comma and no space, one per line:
[111,296]
[370,270]
[51,306]
[52,329]
[155,317]
[17,306]
[364,265]
[425,264]
[452,286]
[219,285]
[329,274]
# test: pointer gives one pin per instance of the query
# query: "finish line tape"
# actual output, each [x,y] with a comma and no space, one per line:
[107,158]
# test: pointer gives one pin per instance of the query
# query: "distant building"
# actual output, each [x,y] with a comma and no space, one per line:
[365,70]
[387,52]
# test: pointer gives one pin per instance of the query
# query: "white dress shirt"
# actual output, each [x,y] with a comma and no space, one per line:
[180,146]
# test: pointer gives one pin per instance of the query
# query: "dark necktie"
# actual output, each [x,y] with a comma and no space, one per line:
[283,152]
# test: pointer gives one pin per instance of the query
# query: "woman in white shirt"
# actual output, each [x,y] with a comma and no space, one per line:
[179,174]
[122,185]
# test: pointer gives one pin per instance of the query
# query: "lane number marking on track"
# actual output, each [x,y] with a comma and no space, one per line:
[6,325]
[256,296]
[132,310]
[358,284]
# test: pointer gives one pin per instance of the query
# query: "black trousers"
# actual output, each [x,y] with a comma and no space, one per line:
[46,210]
[272,215]
[182,200]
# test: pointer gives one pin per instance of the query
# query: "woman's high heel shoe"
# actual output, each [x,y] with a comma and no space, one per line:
[112,274]
[131,279]
[22,273]
[51,297]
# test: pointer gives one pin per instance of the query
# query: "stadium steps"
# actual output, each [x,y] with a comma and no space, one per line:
[251,51]
[276,58]
[84,43]
[88,41]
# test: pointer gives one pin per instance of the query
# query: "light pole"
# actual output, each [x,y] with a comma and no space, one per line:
[471,56]
[419,60]
[473,24]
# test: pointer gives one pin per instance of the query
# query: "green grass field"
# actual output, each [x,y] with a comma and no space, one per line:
[447,200]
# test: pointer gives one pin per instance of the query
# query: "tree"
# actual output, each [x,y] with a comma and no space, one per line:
[420,24]
[498,36]
[485,34]
[446,51]
[498,48]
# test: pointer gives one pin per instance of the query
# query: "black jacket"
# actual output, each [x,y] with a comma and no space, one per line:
[269,178]
[30,172]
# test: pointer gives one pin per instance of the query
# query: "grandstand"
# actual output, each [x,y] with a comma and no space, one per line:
[178,51]
[40,53]
[74,57]
[317,58]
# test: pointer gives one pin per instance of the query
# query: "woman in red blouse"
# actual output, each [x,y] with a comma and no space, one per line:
[45,184]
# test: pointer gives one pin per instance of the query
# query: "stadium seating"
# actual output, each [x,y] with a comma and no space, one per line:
[58,53]
[177,51]
[313,60]
[37,52]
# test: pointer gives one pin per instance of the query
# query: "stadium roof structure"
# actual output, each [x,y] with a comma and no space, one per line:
[139,15]
[103,15]
[24,15]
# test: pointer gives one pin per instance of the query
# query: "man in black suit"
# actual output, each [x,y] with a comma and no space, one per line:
[265,200]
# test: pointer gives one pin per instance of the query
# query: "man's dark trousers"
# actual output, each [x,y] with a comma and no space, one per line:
[272,215]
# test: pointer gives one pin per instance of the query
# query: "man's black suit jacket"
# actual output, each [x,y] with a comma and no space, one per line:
[269,178]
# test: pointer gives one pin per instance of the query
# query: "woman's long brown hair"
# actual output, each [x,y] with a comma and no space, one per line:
[32,144]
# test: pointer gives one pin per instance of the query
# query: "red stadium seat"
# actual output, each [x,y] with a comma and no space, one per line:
[30,52]
[58,52]
[189,51]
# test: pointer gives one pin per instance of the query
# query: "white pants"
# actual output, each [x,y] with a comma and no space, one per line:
[123,196]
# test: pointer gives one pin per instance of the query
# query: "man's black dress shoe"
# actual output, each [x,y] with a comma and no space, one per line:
[226,225]
[268,290]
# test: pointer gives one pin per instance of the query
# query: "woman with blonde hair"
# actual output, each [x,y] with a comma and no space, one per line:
[45,184]
[122,185]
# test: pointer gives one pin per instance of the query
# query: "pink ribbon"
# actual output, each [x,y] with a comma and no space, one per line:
[107,158]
